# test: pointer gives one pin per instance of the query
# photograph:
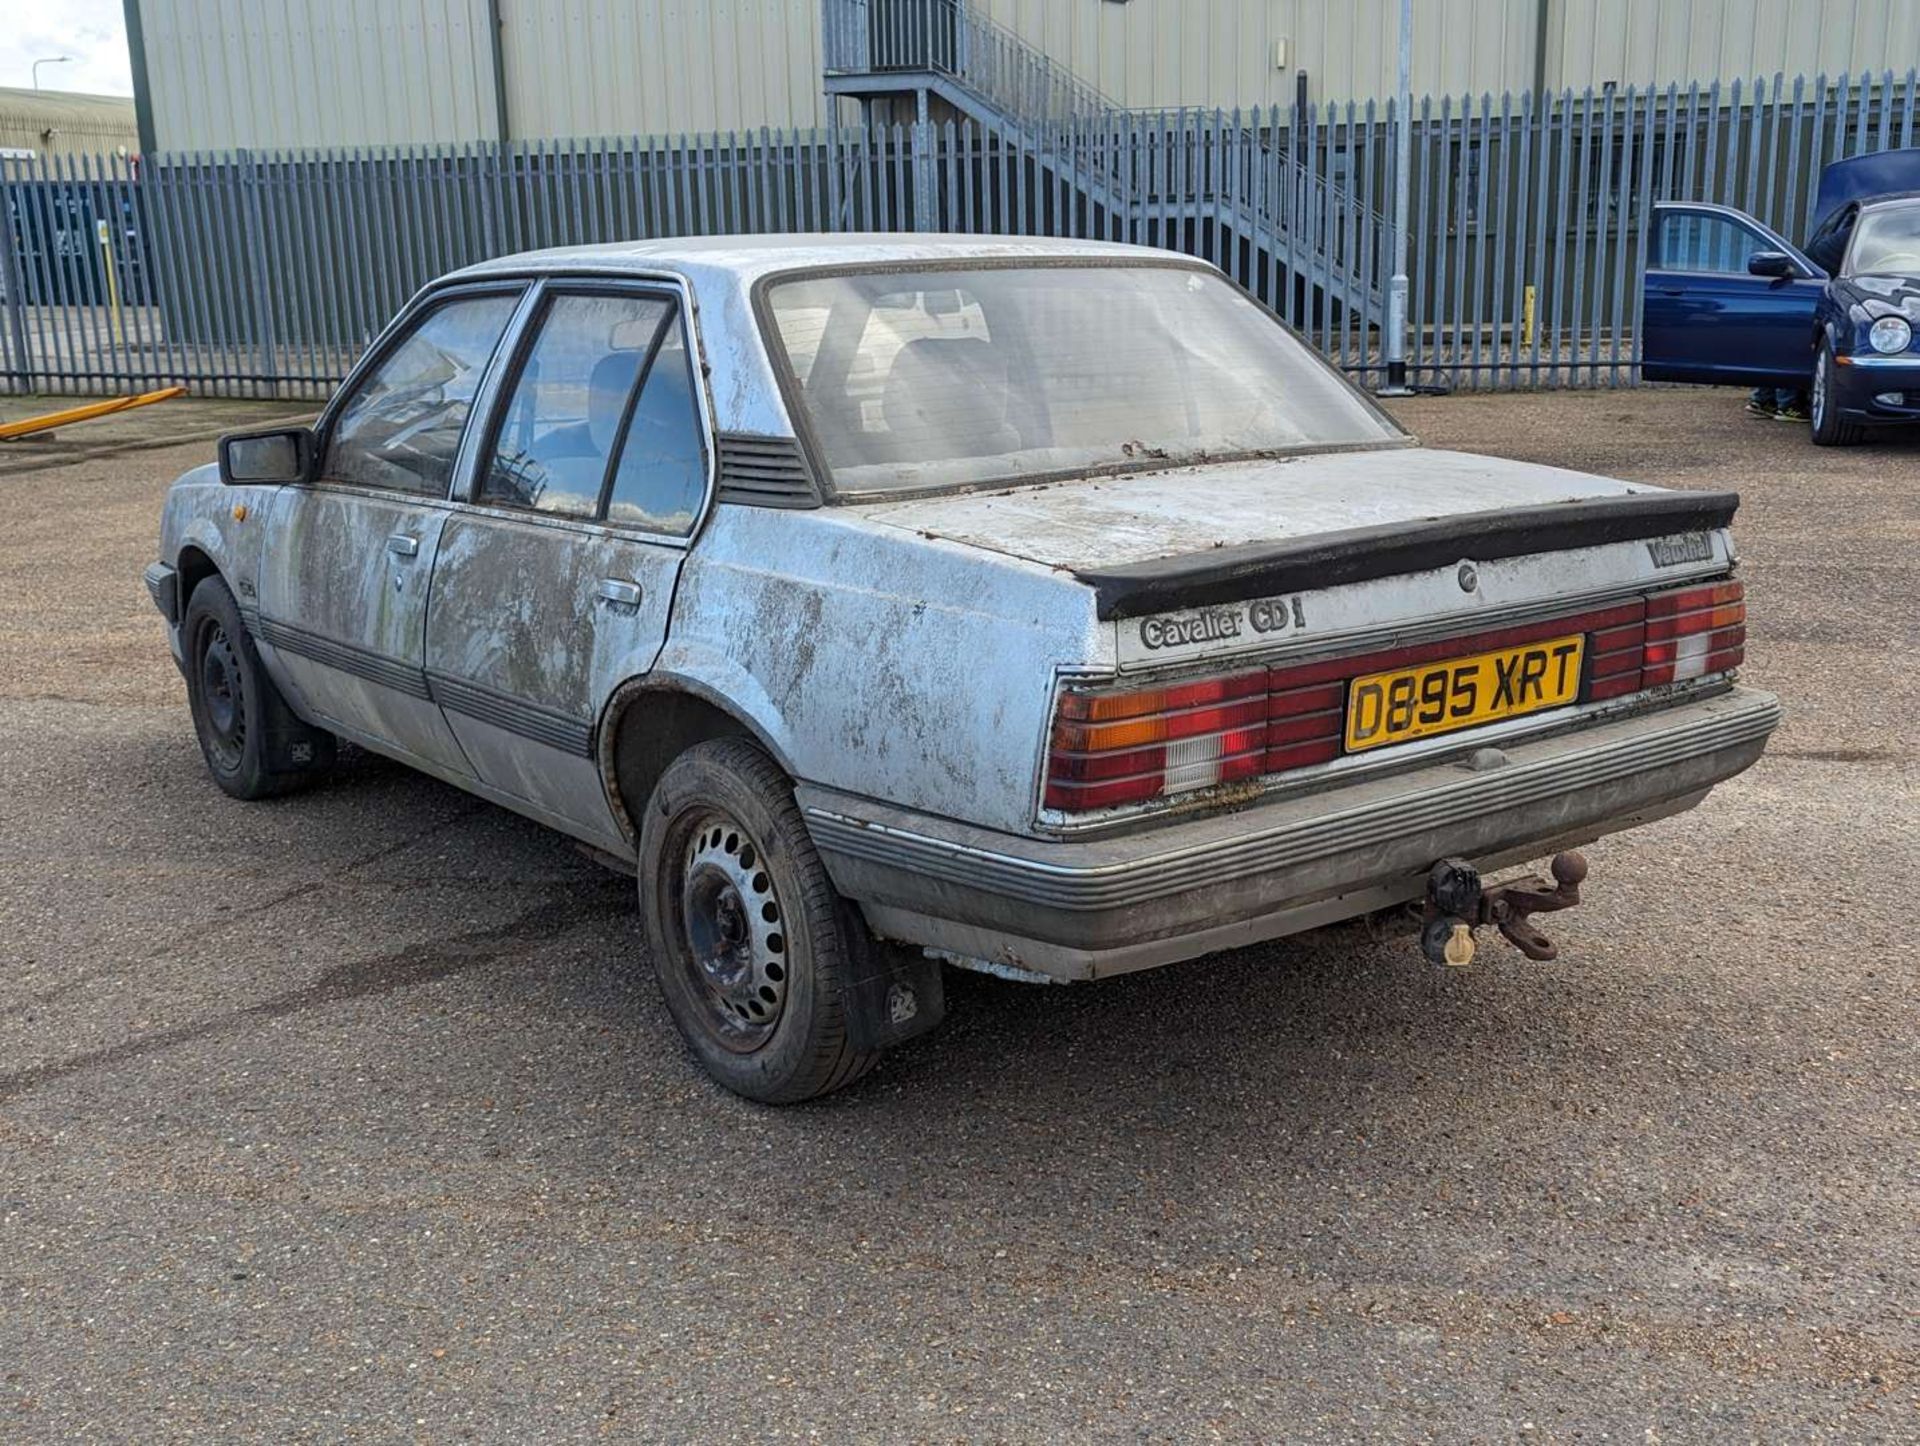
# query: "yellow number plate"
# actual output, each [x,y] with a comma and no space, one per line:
[1418,702]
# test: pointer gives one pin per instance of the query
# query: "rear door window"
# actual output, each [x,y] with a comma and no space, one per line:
[571,402]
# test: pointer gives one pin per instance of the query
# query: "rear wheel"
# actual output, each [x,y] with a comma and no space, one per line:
[752,945]
[1829,430]
[246,731]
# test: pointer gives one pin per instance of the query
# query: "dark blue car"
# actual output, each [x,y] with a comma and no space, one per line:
[1729,301]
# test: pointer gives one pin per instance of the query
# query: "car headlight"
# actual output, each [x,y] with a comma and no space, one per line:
[1890,334]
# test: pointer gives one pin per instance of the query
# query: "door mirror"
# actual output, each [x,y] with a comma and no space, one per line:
[285,455]
[1772,263]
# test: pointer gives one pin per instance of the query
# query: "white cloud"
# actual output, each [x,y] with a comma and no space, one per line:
[93,32]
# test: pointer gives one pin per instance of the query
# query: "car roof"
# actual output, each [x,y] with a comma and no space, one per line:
[751,257]
[720,272]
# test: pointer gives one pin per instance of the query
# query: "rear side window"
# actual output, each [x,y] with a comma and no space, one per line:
[401,426]
[570,402]
[662,474]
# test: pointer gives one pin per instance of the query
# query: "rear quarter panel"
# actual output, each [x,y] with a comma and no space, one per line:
[881,662]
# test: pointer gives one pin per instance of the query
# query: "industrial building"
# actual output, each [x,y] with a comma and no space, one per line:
[272,74]
[56,124]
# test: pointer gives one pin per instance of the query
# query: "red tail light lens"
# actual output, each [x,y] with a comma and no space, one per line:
[1694,632]
[1111,748]
[1125,747]
[1115,746]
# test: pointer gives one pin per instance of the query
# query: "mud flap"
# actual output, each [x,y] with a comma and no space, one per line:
[289,745]
[896,994]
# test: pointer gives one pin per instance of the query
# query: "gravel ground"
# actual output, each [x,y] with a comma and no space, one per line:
[357,1116]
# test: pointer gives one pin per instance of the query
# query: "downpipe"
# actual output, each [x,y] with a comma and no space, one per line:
[1458,903]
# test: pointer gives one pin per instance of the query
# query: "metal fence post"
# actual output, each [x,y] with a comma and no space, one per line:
[14,285]
[925,181]
[254,233]
[1398,287]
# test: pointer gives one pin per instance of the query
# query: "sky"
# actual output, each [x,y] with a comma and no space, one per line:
[93,32]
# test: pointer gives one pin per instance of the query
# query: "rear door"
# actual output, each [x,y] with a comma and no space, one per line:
[343,586]
[1705,318]
[554,579]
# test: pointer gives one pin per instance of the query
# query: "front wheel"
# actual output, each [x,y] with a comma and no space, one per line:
[254,746]
[753,948]
[1829,430]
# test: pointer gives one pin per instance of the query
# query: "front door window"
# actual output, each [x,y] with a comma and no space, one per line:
[1708,242]
[401,427]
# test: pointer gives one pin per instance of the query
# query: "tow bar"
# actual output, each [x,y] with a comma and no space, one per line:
[1457,904]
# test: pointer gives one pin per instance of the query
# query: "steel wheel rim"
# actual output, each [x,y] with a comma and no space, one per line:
[1820,392]
[733,932]
[223,699]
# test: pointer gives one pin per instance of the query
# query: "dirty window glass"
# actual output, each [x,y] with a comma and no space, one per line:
[401,428]
[563,417]
[1700,241]
[1887,241]
[931,379]
[662,474]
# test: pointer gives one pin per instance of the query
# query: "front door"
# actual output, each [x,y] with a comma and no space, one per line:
[553,583]
[1705,318]
[344,585]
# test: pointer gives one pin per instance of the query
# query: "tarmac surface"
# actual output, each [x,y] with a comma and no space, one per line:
[357,1116]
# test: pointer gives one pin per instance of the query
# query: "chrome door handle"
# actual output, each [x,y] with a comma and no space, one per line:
[619,591]
[402,545]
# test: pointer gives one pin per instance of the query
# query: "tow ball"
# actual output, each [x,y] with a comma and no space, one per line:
[1458,903]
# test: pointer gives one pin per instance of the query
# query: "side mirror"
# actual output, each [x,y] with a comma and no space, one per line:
[1772,263]
[285,455]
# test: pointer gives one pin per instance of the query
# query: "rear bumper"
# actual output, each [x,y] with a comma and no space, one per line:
[1082,909]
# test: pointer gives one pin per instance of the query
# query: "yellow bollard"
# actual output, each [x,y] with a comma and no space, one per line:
[105,232]
[1526,316]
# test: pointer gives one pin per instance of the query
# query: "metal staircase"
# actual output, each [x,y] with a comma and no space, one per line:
[1274,208]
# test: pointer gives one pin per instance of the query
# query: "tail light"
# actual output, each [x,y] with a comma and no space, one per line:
[1694,632]
[1123,747]
[1115,746]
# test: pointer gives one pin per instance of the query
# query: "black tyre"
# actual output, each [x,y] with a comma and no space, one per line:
[1828,428]
[254,746]
[751,943]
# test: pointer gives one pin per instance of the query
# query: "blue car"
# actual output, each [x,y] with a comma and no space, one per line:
[1729,301]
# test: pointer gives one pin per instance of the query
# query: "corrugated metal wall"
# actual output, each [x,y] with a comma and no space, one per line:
[1222,52]
[65,123]
[657,67]
[317,72]
[1658,42]
[264,73]
[1162,53]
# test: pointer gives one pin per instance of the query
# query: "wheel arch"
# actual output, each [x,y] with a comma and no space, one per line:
[637,743]
[193,566]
